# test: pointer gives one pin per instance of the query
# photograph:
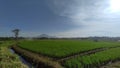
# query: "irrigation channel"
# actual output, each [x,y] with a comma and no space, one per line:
[42,62]
[36,60]
[22,59]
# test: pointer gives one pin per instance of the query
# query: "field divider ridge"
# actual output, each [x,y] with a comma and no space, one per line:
[89,52]
[35,59]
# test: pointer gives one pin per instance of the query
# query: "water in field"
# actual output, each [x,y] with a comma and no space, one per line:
[22,59]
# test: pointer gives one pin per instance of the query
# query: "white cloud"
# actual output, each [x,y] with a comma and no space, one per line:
[94,15]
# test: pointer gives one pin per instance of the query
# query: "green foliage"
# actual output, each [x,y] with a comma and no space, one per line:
[6,43]
[73,64]
[62,48]
[9,60]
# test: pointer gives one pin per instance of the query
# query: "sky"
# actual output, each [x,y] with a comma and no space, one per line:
[60,18]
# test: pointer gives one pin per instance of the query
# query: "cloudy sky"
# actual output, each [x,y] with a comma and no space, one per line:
[62,18]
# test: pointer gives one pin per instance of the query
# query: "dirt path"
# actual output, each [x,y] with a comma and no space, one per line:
[9,60]
[112,65]
[85,53]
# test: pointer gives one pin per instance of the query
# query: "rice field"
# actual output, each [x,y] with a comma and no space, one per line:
[94,60]
[67,48]
[62,48]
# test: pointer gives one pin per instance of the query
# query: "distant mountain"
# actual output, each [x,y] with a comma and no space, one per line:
[45,36]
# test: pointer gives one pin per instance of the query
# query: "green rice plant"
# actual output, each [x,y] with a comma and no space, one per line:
[63,48]
[94,60]
[69,64]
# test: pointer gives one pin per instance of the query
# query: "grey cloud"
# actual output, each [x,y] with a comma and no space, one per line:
[94,15]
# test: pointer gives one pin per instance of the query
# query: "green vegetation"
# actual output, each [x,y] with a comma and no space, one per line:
[6,43]
[37,60]
[94,60]
[7,59]
[62,48]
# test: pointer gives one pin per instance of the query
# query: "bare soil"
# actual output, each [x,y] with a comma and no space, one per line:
[112,65]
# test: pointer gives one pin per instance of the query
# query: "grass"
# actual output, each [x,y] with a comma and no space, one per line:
[62,48]
[37,60]
[7,59]
[6,43]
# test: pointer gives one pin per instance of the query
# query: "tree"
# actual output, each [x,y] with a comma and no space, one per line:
[16,32]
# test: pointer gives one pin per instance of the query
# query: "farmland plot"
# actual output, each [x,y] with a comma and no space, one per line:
[63,48]
[94,60]
[67,48]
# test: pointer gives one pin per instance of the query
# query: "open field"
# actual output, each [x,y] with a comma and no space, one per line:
[62,48]
[70,48]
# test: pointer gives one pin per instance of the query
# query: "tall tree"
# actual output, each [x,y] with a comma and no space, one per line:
[16,32]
